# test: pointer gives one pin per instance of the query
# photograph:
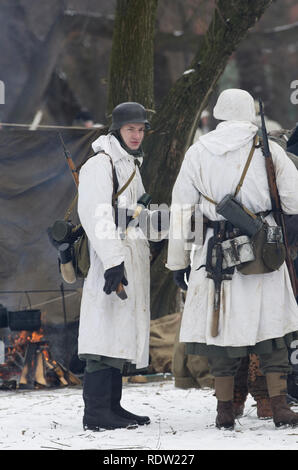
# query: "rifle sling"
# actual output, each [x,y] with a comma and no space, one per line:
[239,185]
[255,143]
[126,184]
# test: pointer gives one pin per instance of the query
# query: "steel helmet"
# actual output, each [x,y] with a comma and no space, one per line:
[127,113]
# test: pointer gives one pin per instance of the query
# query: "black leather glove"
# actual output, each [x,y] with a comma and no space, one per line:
[179,277]
[113,277]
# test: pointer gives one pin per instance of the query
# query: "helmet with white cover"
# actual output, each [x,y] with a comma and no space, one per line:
[235,104]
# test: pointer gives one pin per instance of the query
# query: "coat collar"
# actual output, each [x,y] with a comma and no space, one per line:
[112,146]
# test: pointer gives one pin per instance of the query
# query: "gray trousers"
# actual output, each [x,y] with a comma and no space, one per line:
[276,361]
[95,362]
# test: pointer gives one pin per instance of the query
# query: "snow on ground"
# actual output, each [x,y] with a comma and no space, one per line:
[180,420]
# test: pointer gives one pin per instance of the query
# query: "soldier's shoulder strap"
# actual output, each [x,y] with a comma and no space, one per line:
[239,185]
[117,193]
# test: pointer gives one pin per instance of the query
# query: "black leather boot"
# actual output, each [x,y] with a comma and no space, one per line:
[116,398]
[97,393]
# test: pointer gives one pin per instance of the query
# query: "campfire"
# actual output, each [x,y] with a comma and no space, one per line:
[30,365]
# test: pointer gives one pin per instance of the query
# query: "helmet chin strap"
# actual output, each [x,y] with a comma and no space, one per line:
[135,153]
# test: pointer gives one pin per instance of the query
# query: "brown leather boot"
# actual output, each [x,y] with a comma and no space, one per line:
[224,391]
[282,413]
[239,404]
[257,387]
[225,418]
[264,410]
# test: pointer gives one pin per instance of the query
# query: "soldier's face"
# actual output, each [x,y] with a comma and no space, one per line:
[132,135]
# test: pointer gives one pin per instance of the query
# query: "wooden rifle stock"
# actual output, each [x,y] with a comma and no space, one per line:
[275,199]
[70,162]
[120,291]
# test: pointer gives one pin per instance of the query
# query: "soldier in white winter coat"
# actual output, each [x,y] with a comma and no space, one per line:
[113,332]
[258,312]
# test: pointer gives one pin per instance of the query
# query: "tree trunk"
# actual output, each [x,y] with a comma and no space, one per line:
[131,66]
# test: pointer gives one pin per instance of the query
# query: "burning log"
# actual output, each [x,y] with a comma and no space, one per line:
[39,371]
[29,365]
[27,379]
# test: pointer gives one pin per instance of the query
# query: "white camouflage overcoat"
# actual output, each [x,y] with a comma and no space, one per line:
[110,326]
[253,307]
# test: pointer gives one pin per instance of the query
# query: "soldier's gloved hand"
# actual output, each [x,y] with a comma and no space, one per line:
[113,277]
[179,277]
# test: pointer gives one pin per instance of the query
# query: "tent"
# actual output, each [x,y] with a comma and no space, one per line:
[37,188]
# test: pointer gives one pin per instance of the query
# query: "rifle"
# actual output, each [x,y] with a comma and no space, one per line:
[217,279]
[216,271]
[275,199]
[120,291]
[70,162]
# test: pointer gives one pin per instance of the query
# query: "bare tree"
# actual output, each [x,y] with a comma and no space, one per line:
[131,67]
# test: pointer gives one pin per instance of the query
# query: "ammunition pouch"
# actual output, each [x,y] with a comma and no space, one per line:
[259,254]
[81,257]
[269,251]
[236,251]
[263,243]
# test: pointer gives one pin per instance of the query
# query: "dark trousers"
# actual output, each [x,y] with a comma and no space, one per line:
[276,361]
[95,363]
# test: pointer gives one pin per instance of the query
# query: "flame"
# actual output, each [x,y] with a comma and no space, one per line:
[46,354]
[21,339]
[37,336]
[14,372]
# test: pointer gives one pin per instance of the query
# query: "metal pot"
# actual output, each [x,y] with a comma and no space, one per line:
[24,320]
[3,317]
[29,320]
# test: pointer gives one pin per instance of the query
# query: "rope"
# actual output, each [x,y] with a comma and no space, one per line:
[73,292]
[48,126]
[35,291]
[53,300]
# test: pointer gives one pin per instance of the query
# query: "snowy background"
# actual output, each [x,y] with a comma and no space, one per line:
[180,420]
